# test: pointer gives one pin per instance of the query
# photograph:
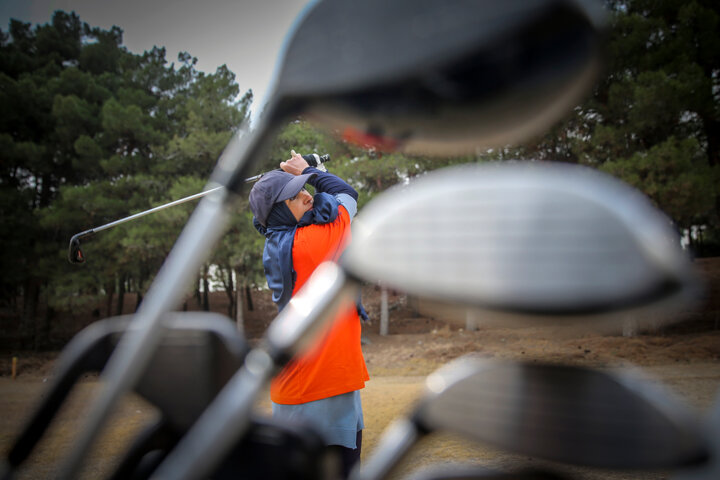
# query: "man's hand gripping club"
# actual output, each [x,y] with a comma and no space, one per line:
[295,165]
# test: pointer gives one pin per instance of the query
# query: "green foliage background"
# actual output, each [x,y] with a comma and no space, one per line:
[90,133]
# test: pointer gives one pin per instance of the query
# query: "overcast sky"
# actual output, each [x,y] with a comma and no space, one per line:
[247,35]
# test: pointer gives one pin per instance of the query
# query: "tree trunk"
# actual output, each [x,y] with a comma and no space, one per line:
[198,294]
[142,277]
[139,300]
[206,289]
[230,292]
[712,134]
[121,295]
[239,288]
[248,299]
[109,294]
[239,317]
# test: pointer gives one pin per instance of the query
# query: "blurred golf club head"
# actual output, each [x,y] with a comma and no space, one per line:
[443,77]
[430,77]
[535,239]
[562,413]
[566,414]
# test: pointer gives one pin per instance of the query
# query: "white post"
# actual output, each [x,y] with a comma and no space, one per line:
[384,312]
[630,326]
[471,323]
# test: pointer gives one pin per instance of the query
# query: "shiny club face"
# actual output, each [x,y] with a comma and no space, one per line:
[300,203]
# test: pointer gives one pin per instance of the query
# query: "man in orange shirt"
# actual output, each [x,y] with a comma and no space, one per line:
[321,386]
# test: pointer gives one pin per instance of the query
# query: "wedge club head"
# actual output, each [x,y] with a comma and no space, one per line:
[75,253]
[566,414]
[563,413]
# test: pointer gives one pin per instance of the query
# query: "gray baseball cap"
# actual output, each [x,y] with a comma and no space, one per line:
[273,187]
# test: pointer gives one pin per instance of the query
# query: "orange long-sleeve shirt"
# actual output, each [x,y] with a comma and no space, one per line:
[334,364]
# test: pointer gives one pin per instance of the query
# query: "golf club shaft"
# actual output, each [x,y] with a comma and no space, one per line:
[146,212]
[319,161]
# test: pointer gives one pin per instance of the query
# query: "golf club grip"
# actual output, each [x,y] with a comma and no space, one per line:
[315,160]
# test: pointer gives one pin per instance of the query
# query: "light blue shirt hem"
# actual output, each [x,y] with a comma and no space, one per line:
[337,419]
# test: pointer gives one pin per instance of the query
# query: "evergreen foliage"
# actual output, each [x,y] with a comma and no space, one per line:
[91,133]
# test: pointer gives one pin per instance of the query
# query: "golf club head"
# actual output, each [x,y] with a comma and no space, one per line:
[424,76]
[75,254]
[536,239]
[562,413]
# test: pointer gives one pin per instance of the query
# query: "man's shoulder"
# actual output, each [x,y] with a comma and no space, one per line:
[336,227]
[348,202]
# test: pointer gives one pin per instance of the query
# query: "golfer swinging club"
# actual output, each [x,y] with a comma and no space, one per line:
[320,387]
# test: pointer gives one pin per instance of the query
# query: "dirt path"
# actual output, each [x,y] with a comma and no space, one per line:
[17,401]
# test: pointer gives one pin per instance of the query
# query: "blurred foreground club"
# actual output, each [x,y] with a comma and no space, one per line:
[415,74]
[531,238]
[408,238]
[551,412]
[200,347]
